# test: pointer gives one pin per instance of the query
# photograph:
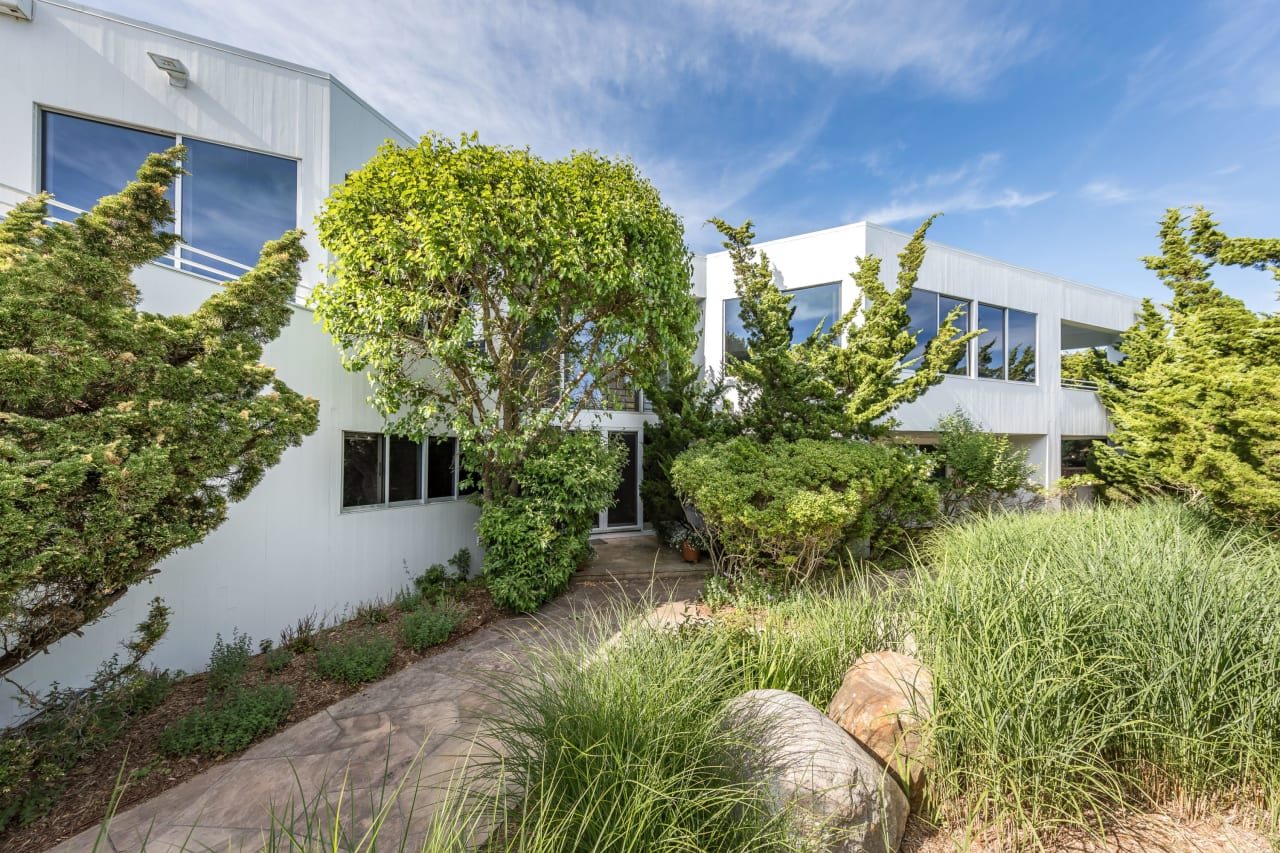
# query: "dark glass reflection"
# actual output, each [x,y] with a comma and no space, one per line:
[1022,346]
[991,342]
[361,469]
[922,308]
[82,160]
[235,200]
[811,308]
[404,469]
[626,508]
[735,333]
[945,306]
[468,479]
[440,468]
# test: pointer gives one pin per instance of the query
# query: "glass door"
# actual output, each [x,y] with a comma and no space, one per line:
[626,509]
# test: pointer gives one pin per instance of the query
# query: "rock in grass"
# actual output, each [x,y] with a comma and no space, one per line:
[838,796]
[883,702]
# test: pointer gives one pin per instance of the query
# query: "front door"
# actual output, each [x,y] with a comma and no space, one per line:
[625,511]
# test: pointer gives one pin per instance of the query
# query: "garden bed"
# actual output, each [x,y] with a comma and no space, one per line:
[138,759]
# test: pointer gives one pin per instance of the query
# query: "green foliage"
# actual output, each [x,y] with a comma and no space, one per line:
[980,470]
[625,749]
[535,540]
[1196,400]
[690,409]
[230,722]
[1088,365]
[1100,658]
[847,379]
[372,612]
[124,435]
[356,660]
[533,288]
[229,661]
[70,724]
[780,509]
[431,624]
[276,660]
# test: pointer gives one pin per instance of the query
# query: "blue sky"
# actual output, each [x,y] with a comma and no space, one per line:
[1052,134]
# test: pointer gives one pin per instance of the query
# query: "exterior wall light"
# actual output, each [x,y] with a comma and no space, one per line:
[173,67]
[20,9]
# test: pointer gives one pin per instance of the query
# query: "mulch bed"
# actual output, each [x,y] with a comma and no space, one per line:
[136,757]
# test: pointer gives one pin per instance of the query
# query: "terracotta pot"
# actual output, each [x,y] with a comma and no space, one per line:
[690,553]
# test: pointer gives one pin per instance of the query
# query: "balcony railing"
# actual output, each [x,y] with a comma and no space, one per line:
[1081,384]
[183,257]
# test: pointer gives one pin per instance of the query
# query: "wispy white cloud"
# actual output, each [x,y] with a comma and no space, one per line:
[961,202]
[1107,192]
[958,47]
[970,186]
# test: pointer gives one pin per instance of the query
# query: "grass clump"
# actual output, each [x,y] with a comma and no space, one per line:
[1101,658]
[355,661]
[229,723]
[276,660]
[624,748]
[431,624]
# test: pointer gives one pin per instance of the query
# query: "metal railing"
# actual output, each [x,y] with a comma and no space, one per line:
[1081,384]
[183,257]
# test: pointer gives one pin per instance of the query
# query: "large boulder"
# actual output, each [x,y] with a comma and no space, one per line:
[883,703]
[838,796]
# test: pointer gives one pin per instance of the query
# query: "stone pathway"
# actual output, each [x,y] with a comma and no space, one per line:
[427,712]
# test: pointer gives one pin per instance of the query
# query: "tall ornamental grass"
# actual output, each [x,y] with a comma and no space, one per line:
[622,749]
[1100,658]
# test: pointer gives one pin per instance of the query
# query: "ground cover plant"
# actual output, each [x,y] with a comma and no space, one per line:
[122,739]
[1100,660]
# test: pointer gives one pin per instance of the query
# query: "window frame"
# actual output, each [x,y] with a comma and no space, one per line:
[175,261]
[385,449]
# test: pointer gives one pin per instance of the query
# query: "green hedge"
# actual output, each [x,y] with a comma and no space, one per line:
[781,508]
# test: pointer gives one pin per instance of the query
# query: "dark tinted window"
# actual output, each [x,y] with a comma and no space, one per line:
[84,160]
[923,310]
[404,469]
[235,200]
[991,342]
[362,471]
[1022,346]
[440,468]
[945,306]
[811,308]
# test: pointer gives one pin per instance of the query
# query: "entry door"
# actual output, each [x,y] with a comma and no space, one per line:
[626,509]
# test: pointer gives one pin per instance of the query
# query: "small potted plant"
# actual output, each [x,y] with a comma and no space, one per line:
[687,541]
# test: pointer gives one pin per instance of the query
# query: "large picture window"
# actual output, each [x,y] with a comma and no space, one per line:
[812,308]
[382,470]
[927,310]
[231,202]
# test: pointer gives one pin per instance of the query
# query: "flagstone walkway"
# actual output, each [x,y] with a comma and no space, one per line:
[428,712]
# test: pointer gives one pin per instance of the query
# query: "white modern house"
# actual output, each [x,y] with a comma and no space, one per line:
[352,513]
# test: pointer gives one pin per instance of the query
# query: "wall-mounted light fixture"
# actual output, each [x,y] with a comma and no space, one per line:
[20,9]
[173,67]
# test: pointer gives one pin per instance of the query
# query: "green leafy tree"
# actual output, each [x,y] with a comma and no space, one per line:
[496,295]
[979,470]
[1196,399]
[844,380]
[124,436]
